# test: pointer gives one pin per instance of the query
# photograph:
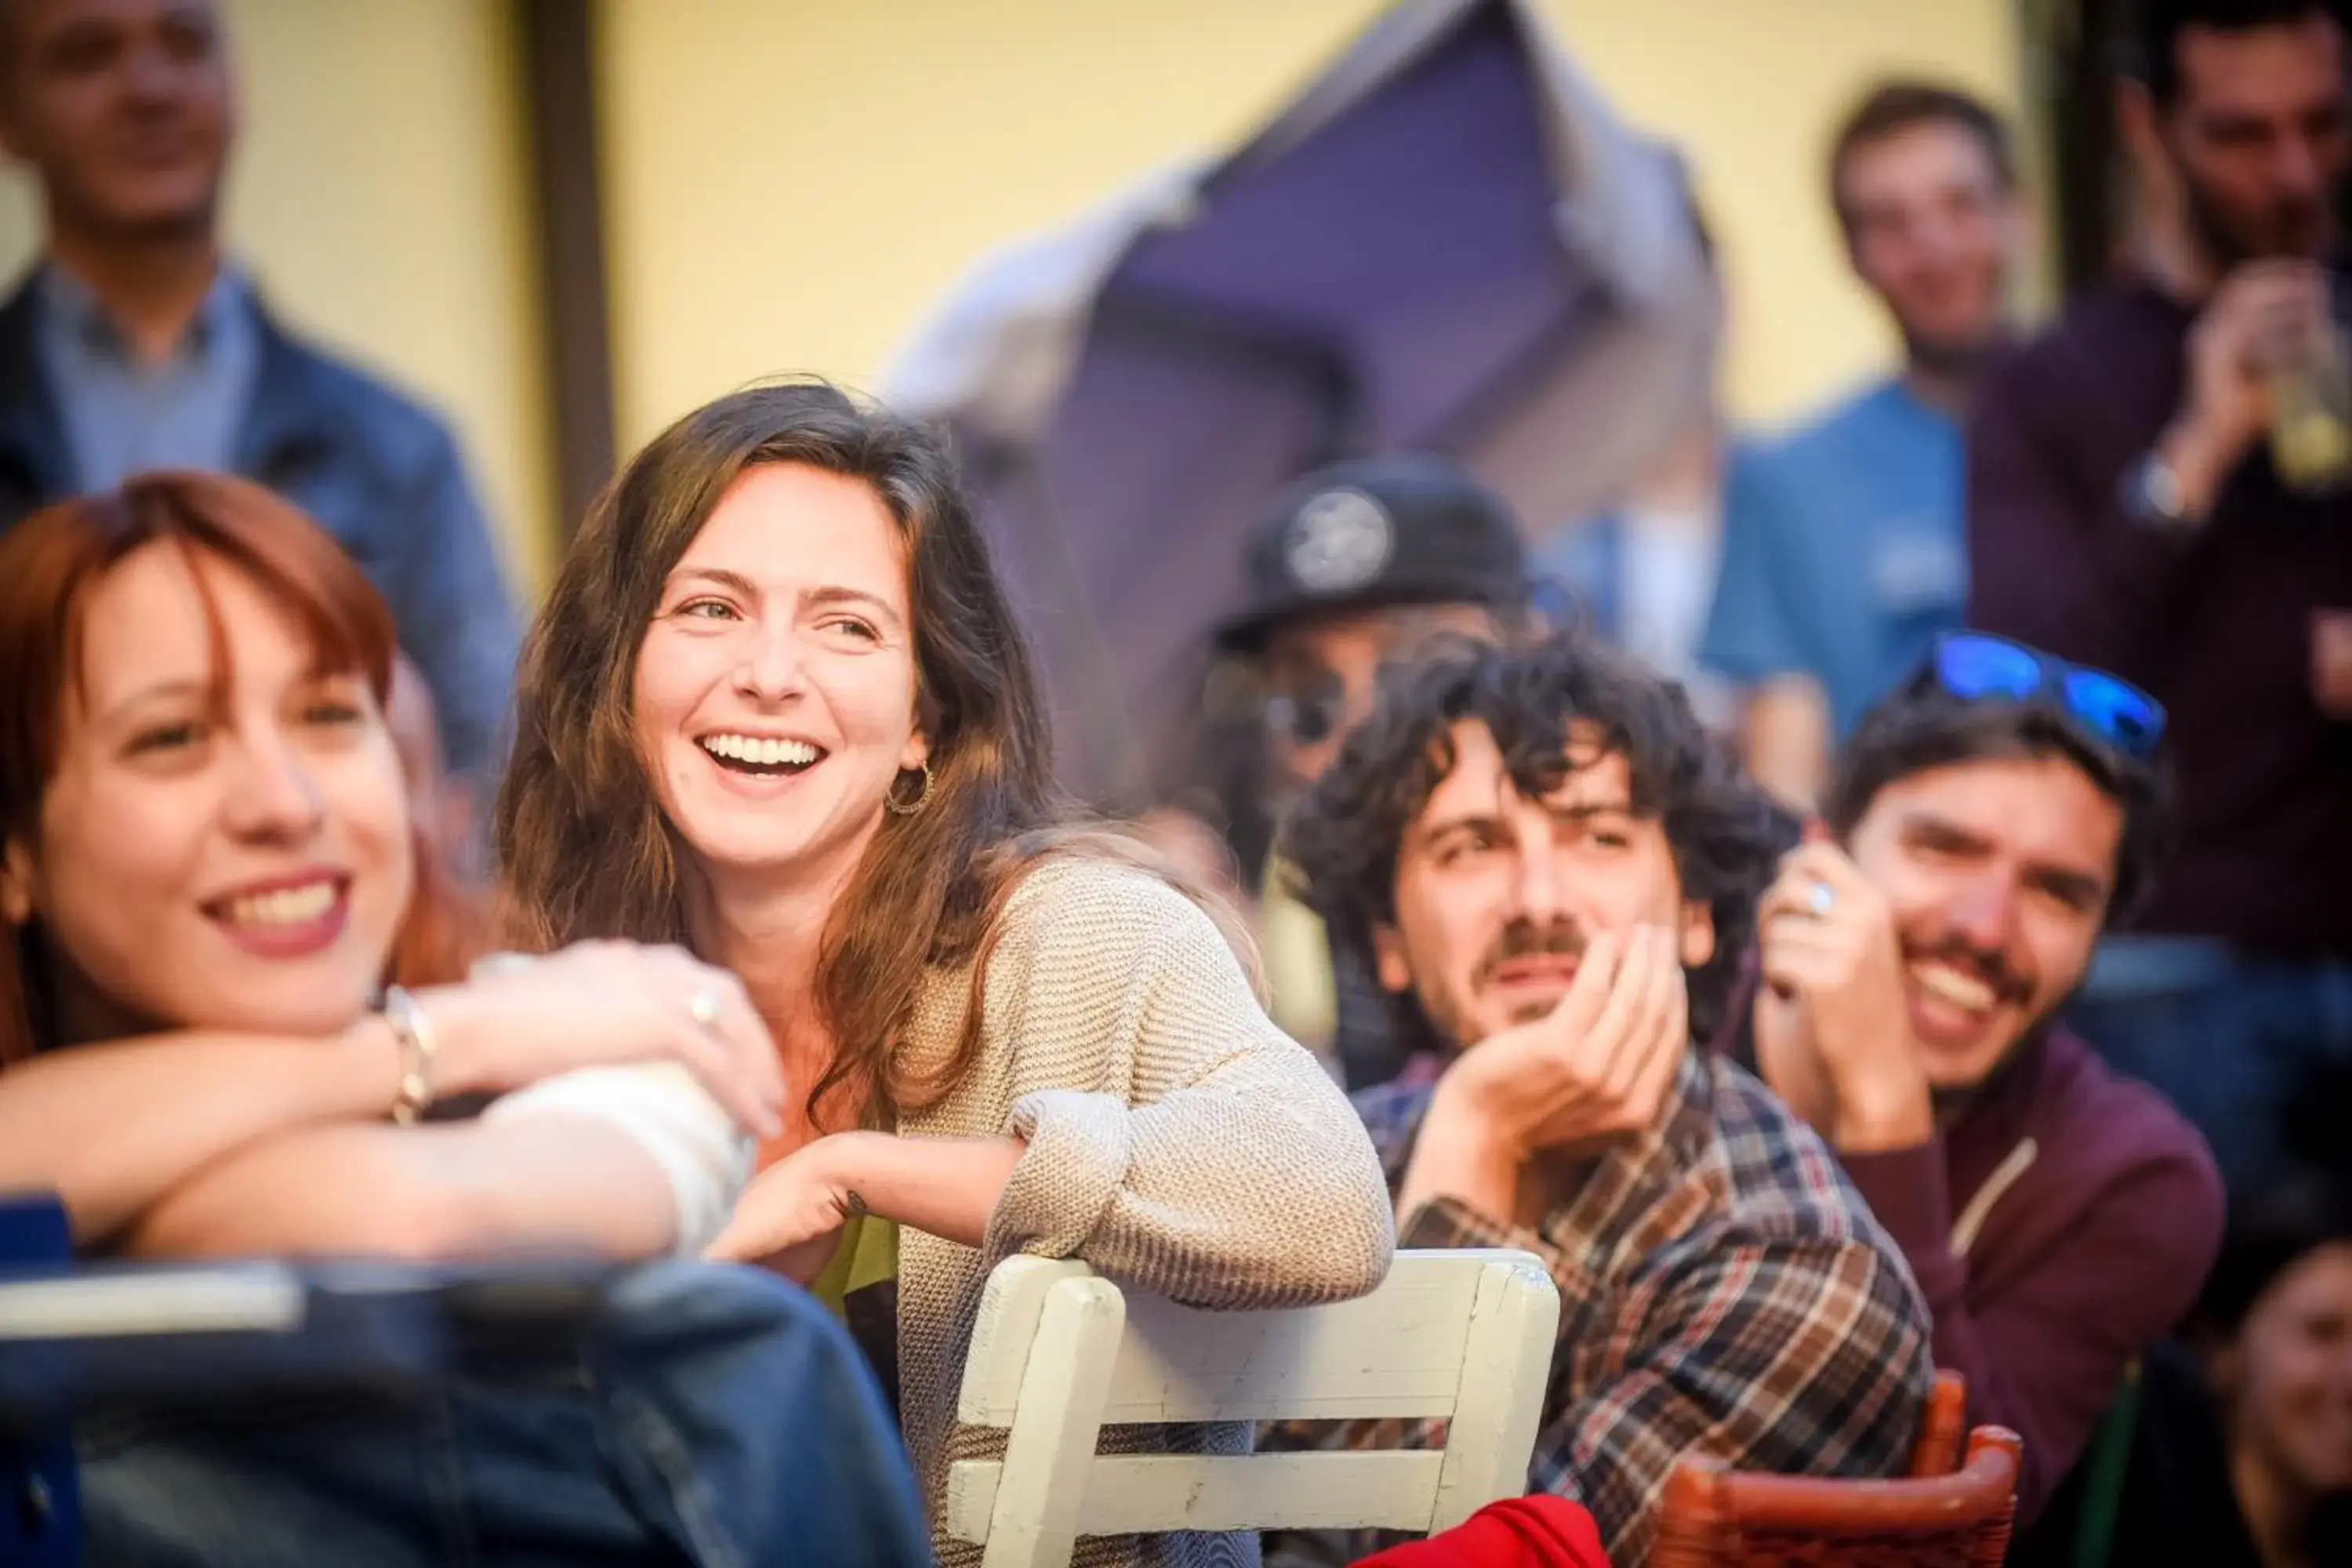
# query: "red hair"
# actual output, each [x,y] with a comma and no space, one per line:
[52,562]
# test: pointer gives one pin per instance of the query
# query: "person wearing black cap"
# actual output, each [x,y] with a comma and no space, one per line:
[1350,566]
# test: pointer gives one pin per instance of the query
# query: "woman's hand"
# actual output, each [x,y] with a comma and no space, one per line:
[788,1219]
[605,1004]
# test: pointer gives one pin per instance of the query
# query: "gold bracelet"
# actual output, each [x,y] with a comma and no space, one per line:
[412,1031]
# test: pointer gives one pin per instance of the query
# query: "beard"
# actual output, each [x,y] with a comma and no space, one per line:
[1521,939]
[1455,1016]
[1956,359]
[2009,985]
[2230,234]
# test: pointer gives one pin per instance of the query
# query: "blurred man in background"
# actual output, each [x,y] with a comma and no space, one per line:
[1353,565]
[136,344]
[2127,509]
[1842,555]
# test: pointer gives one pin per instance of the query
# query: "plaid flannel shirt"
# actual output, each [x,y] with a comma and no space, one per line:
[1722,1290]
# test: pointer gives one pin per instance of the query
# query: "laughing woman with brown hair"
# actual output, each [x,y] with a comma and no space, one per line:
[778,712]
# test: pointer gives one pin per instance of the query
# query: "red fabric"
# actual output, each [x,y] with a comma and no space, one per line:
[1518,1532]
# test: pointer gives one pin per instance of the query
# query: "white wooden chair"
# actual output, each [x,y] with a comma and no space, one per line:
[1058,1353]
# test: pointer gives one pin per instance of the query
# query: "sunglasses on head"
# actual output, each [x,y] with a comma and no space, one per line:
[1974,667]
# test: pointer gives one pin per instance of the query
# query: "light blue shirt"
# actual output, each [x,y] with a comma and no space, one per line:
[124,416]
[1642,578]
[1844,550]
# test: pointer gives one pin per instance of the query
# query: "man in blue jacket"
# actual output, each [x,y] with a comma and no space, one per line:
[135,343]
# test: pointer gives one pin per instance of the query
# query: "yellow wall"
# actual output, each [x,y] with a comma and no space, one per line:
[379,197]
[790,183]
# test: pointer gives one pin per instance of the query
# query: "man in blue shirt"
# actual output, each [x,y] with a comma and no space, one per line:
[1843,554]
[134,344]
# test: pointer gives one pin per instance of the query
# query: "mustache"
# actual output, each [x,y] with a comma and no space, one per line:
[1561,937]
[1990,966]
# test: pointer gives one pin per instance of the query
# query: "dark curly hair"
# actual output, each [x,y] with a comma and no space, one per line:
[1341,842]
[1919,726]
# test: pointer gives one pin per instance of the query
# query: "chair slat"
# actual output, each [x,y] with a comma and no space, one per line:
[1397,1352]
[1147,1493]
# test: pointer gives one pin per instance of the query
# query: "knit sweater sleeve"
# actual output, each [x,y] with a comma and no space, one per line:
[1185,1144]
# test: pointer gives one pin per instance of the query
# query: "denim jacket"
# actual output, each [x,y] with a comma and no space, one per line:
[379,473]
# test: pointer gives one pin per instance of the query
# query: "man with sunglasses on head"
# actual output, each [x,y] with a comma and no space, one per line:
[1355,564]
[1985,823]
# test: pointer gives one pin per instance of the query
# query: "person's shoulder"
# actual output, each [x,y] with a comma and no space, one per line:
[2125,308]
[1781,1178]
[1830,433]
[1782,470]
[2083,340]
[1082,887]
[1086,906]
[2115,1129]
[398,426]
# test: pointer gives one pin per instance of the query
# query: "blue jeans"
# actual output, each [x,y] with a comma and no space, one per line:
[2227,1037]
[715,1417]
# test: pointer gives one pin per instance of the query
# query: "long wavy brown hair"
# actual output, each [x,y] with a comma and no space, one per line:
[52,562]
[584,846]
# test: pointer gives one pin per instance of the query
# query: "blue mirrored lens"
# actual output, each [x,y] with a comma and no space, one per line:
[2123,714]
[1974,667]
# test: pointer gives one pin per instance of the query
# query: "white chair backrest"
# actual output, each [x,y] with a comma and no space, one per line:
[1462,1336]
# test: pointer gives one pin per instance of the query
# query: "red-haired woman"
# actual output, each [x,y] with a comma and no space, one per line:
[208,877]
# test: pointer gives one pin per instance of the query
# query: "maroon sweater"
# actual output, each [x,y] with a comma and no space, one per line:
[2096,1212]
[2216,626]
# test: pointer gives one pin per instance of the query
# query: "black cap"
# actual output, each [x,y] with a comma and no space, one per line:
[1374,531]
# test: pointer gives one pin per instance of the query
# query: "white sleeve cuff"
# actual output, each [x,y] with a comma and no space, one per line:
[706,1157]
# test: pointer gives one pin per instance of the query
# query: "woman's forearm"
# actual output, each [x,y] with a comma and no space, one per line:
[111,1128]
[550,1183]
[947,1187]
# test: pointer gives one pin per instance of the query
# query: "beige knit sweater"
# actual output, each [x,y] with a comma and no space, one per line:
[1178,1141]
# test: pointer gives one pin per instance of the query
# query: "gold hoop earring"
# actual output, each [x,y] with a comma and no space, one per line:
[897,807]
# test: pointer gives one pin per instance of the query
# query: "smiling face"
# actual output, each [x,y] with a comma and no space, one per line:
[775,691]
[1934,228]
[213,851]
[1998,873]
[1497,894]
[2291,1373]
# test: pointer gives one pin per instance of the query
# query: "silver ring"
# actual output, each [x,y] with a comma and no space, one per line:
[1818,897]
[703,1008]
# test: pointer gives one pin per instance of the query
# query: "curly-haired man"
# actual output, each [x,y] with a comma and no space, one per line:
[1552,869]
